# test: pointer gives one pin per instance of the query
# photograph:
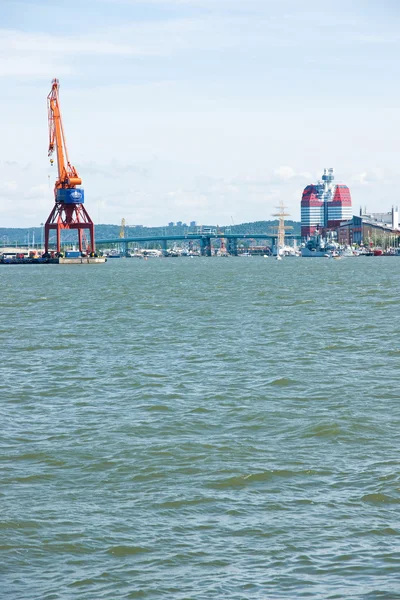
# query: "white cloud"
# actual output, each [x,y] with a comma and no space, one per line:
[36,54]
[19,42]
[37,191]
[29,54]
[285,173]
[361,178]
[8,186]
[156,192]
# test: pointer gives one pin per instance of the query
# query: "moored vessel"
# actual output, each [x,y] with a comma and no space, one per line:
[316,246]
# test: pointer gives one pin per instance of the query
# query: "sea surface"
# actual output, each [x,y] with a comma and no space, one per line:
[200,428]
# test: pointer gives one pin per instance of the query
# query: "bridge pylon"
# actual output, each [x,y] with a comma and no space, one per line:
[164,247]
[232,246]
[205,246]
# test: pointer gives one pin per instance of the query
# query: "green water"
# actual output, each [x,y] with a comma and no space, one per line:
[200,428]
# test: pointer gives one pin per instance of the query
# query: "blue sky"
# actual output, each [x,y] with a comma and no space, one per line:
[206,110]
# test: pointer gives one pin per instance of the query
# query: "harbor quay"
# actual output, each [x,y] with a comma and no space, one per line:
[206,245]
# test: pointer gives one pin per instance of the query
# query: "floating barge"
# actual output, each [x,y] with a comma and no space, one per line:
[81,260]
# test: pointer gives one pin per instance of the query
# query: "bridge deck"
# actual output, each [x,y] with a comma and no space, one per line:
[196,236]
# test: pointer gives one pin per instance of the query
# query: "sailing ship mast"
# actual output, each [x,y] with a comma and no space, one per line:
[280,243]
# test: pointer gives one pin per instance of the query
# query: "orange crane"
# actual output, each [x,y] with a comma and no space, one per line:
[68,211]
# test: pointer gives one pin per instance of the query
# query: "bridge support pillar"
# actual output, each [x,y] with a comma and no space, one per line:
[232,246]
[164,247]
[205,246]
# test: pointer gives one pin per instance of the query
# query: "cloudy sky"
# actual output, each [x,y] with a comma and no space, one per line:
[206,110]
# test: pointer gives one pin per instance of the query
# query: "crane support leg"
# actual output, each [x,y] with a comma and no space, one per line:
[69,216]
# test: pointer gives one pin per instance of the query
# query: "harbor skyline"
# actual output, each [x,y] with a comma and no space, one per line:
[191,110]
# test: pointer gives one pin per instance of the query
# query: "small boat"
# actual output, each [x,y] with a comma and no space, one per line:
[347,252]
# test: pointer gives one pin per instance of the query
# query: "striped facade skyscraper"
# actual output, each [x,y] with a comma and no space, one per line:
[324,205]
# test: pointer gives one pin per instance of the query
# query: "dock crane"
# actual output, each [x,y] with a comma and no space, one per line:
[68,211]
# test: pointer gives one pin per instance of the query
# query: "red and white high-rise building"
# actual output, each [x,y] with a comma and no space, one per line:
[324,205]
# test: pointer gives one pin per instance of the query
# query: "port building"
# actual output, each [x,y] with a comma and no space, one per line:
[324,205]
[372,229]
[386,219]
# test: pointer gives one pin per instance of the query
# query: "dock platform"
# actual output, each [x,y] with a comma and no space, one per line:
[82,260]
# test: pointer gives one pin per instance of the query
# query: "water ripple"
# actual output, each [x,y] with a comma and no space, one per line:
[200,429]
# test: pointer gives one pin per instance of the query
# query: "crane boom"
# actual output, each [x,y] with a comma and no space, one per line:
[67,174]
